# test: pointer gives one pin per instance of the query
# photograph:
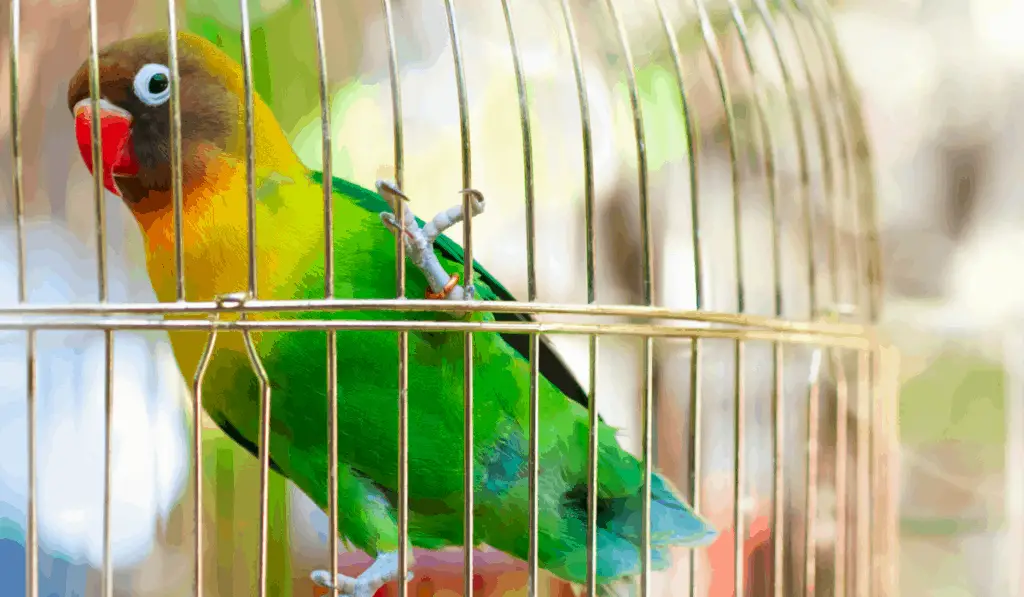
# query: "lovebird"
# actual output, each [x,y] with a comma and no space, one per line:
[134,120]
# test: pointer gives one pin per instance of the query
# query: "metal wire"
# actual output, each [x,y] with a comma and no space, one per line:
[197,454]
[332,335]
[532,559]
[254,359]
[746,321]
[842,405]
[177,195]
[695,371]
[32,514]
[768,153]
[403,335]
[778,444]
[591,266]
[842,412]
[814,389]
[16,170]
[176,173]
[467,244]
[863,508]
[107,582]
[504,327]
[718,67]
[250,144]
[811,482]
[647,383]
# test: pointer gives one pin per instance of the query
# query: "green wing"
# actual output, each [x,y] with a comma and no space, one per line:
[551,366]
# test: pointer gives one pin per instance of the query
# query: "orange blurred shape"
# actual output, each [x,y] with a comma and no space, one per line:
[440,574]
[757,560]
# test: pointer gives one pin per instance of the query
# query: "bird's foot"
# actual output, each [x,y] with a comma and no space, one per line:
[419,242]
[382,571]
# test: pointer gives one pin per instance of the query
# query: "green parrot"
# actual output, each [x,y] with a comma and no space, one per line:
[134,126]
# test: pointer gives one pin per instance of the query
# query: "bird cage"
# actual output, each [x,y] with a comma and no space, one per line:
[709,267]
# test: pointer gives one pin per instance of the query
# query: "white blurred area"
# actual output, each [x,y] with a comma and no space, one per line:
[149,444]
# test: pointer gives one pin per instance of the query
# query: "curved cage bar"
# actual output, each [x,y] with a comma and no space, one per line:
[723,182]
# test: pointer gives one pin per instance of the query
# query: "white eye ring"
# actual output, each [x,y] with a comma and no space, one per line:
[143,84]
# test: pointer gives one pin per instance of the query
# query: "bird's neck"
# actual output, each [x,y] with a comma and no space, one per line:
[215,220]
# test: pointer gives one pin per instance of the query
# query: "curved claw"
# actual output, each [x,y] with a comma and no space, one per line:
[477,200]
[389,188]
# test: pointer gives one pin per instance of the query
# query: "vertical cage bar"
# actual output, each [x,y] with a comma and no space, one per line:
[802,153]
[396,103]
[863,508]
[739,472]
[647,384]
[836,260]
[32,539]
[842,131]
[861,147]
[250,184]
[878,507]
[175,140]
[108,454]
[779,413]
[811,494]
[467,243]
[842,135]
[32,531]
[842,408]
[892,469]
[718,66]
[250,143]
[179,274]
[332,335]
[824,138]
[197,455]
[778,355]
[591,265]
[814,390]
[696,411]
[768,151]
[867,224]
[778,523]
[887,470]
[16,169]
[264,458]
[531,284]
[107,582]
[403,335]
[97,154]
[691,152]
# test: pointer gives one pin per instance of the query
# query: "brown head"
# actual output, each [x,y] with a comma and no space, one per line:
[134,115]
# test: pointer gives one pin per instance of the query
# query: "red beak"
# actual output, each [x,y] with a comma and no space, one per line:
[116,139]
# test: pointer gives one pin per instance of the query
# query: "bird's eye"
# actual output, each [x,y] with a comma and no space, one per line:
[153,84]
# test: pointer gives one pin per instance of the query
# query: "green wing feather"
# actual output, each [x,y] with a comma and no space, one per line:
[551,365]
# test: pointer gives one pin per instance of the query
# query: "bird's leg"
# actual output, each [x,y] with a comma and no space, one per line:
[382,571]
[419,242]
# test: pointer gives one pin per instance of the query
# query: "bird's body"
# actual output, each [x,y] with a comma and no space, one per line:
[290,265]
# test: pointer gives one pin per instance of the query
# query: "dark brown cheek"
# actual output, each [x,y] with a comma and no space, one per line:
[133,191]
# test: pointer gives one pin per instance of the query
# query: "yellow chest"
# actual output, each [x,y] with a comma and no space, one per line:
[216,249]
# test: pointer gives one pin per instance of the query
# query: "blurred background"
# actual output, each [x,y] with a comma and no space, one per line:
[937,82]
